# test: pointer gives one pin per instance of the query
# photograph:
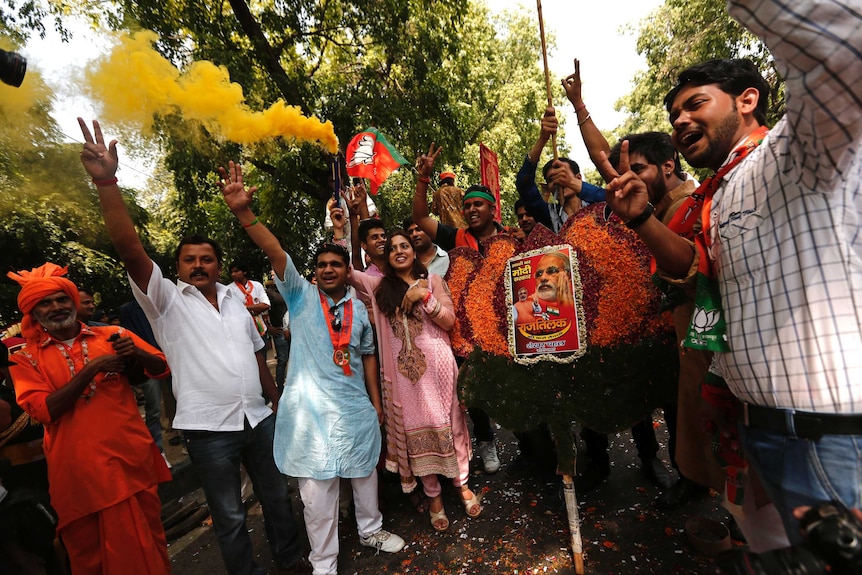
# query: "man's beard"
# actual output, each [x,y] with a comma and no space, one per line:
[51,325]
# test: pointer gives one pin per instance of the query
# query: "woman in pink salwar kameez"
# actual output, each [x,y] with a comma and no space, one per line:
[426,429]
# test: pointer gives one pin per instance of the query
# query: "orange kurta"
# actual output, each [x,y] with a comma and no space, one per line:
[99,453]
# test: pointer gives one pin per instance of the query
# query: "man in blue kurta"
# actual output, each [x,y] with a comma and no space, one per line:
[329,414]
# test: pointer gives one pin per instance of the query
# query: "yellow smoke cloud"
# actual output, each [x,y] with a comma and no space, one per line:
[135,82]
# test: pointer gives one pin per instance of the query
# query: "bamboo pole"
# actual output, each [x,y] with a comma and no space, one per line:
[574,523]
[552,197]
[547,72]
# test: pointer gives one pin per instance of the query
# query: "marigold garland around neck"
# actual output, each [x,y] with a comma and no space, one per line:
[341,339]
[708,330]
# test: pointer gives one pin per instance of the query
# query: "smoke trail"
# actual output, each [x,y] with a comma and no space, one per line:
[135,82]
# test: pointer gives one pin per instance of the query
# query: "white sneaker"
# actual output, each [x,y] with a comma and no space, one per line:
[168,463]
[383,541]
[488,452]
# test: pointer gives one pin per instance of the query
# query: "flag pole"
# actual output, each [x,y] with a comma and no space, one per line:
[552,197]
[547,73]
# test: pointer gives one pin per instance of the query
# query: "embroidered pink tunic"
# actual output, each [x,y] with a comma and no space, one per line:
[426,430]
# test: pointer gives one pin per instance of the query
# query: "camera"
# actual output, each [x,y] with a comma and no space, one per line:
[833,545]
[13,66]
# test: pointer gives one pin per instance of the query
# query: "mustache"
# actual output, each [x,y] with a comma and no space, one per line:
[199,272]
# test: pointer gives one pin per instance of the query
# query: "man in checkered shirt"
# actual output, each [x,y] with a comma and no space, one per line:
[783,238]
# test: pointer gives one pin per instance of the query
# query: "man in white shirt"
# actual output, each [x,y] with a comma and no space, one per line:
[252,293]
[781,244]
[219,374]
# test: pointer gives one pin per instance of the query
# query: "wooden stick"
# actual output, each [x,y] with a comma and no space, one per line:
[547,73]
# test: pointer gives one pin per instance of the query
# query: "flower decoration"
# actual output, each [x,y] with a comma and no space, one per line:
[488,326]
[463,263]
[630,366]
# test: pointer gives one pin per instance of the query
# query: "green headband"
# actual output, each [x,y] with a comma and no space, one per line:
[481,194]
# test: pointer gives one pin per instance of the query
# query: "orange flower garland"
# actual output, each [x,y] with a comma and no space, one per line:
[464,262]
[626,291]
[486,323]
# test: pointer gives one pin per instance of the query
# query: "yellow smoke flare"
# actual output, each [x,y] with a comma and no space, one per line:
[135,82]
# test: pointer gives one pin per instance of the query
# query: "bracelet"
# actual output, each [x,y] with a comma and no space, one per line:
[427,298]
[638,220]
[104,183]
[584,121]
[251,223]
[425,179]
[581,107]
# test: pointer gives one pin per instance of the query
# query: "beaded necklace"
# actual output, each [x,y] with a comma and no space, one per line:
[85,351]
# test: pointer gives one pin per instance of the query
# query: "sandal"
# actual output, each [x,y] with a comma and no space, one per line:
[471,505]
[439,521]
[420,501]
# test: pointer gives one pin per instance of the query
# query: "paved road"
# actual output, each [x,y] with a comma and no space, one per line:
[523,529]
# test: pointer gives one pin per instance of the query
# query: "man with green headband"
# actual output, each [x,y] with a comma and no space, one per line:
[478,209]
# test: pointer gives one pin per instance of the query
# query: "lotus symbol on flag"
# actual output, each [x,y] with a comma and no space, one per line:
[703,320]
[364,153]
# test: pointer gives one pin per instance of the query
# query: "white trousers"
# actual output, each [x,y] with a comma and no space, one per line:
[320,498]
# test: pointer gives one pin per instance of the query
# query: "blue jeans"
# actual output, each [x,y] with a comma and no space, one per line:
[152,390]
[282,352]
[804,472]
[216,457]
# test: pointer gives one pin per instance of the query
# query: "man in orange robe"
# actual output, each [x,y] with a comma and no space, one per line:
[103,466]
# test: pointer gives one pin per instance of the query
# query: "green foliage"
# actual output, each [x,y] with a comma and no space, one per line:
[677,35]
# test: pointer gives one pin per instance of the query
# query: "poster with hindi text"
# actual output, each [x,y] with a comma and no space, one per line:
[545,306]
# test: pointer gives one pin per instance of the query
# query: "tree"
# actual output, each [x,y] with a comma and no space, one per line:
[419,71]
[679,34]
[48,209]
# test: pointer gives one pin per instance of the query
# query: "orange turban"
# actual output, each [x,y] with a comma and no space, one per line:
[36,285]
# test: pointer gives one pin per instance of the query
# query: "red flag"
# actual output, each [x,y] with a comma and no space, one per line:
[490,168]
[370,156]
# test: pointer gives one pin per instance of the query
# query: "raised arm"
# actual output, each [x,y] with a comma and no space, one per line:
[101,161]
[628,198]
[816,46]
[357,208]
[593,139]
[238,199]
[548,129]
[421,216]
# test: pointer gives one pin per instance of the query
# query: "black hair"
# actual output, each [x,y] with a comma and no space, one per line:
[519,203]
[656,147]
[365,227]
[196,240]
[576,169]
[390,292]
[330,248]
[408,221]
[479,188]
[239,265]
[732,76]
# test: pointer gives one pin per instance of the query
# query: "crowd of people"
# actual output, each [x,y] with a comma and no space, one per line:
[769,403]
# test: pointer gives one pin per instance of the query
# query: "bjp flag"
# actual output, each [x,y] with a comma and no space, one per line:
[370,155]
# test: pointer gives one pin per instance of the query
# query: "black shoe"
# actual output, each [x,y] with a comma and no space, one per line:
[681,492]
[654,470]
[591,477]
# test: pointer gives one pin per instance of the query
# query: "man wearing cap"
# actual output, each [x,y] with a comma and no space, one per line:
[103,466]
[478,207]
[447,200]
